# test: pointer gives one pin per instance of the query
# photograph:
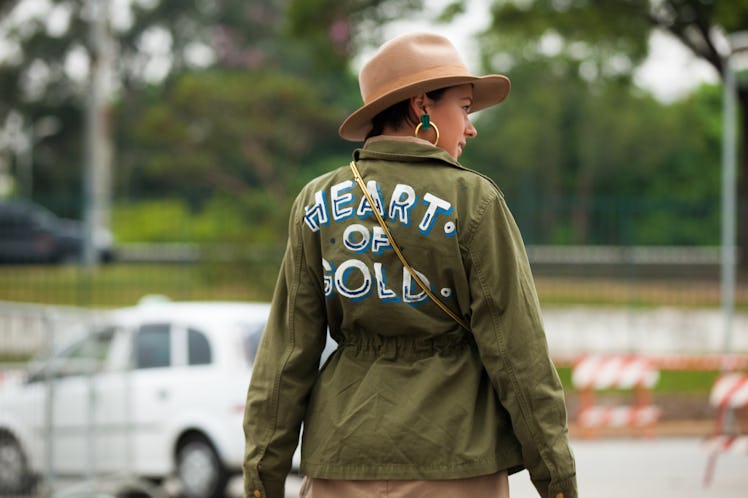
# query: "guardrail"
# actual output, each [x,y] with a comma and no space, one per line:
[188,252]
[26,328]
[592,260]
[626,261]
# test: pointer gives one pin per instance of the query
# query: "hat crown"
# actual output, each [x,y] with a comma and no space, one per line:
[406,60]
[410,65]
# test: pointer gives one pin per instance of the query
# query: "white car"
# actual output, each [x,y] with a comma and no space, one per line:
[156,390]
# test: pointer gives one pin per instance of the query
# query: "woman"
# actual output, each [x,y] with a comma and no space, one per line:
[441,395]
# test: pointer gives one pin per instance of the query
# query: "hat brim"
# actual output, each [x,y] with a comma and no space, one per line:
[487,91]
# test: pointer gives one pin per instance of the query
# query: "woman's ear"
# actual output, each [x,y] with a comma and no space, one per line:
[418,107]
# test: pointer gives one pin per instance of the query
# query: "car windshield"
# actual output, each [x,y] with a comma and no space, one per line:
[85,356]
[41,217]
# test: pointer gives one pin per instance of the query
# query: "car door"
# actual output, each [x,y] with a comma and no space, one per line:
[16,234]
[75,373]
[153,384]
[113,407]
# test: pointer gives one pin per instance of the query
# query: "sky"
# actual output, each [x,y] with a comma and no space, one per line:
[670,72]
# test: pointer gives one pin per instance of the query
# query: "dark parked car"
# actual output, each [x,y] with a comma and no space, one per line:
[30,233]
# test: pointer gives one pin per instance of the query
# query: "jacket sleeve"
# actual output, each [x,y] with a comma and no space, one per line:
[507,325]
[284,372]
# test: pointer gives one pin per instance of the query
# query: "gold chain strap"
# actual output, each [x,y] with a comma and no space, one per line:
[395,247]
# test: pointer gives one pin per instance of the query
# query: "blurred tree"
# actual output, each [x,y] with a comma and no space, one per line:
[44,70]
[525,143]
[6,5]
[241,99]
[335,30]
[607,39]
[229,131]
[577,172]
[44,64]
[262,119]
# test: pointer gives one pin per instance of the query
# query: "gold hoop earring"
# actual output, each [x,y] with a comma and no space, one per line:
[426,124]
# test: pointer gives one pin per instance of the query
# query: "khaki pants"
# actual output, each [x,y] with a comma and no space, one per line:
[489,486]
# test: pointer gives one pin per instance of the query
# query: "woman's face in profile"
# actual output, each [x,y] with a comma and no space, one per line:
[451,115]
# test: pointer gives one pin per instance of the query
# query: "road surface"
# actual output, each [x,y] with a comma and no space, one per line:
[662,467]
[646,468]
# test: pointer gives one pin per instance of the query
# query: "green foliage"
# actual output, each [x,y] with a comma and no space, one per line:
[602,165]
[605,40]
[253,218]
[671,381]
[151,221]
[9,357]
[593,161]
[608,37]
[216,151]
[228,131]
[451,11]
[124,284]
[733,15]
[686,381]
[334,30]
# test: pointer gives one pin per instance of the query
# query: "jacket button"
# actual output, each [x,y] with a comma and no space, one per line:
[258,494]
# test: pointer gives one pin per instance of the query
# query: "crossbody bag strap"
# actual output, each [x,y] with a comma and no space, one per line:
[396,248]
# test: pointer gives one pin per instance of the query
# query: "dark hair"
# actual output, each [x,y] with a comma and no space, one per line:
[396,114]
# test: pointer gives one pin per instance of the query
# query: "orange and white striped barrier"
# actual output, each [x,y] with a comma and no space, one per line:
[619,416]
[730,391]
[628,372]
[727,444]
[614,372]
[729,395]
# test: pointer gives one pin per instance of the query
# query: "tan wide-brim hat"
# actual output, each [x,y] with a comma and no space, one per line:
[412,64]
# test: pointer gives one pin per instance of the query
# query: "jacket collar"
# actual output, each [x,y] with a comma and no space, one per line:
[403,149]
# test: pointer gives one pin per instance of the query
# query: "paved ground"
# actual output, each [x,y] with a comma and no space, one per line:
[618,467]
[646,468]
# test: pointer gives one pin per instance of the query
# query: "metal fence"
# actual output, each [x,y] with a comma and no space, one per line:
[667,316]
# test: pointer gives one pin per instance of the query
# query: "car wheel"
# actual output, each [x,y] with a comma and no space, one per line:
[199,470]
[14,471]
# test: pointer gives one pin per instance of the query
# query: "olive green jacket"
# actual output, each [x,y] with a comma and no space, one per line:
[408,394]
